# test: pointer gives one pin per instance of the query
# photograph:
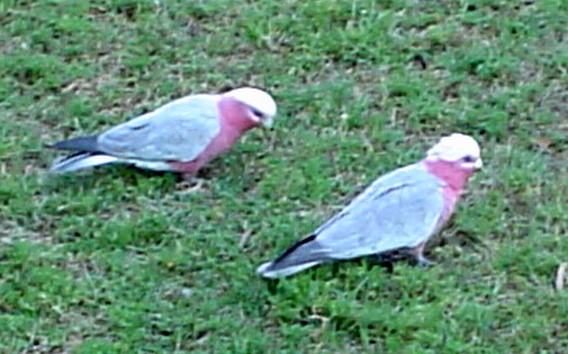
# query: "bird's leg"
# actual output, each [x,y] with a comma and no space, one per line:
[423,262]
[188,176]
[418,253]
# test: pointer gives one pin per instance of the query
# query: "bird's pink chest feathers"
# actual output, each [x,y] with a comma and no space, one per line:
[234,122]
[455,180]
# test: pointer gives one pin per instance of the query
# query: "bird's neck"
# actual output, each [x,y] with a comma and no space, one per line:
[451,173]
[235,119]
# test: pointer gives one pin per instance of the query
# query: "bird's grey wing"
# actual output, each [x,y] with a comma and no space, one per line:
[404,215]
[410,174]
[178,131]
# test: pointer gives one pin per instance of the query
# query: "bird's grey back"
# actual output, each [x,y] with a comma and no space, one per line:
[178,131]
[400,209]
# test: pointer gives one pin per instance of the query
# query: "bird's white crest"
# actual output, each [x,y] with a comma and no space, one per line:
[455,147]
[256,99]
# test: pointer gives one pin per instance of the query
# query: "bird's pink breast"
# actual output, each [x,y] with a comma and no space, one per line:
[234,121]
[455,179]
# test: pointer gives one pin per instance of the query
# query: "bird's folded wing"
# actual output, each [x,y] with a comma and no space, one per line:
[404,215]
[178,131]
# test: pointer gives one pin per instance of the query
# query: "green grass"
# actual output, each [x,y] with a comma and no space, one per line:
[116,260]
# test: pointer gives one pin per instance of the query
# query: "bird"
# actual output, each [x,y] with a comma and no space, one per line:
[181,136]
[398,212]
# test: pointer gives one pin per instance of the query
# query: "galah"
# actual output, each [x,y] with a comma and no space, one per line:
[181,136]
[398,212]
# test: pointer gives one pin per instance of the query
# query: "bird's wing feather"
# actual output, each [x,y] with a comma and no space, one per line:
[178,131]
[401,211]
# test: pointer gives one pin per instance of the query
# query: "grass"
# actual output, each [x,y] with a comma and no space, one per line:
[116,260]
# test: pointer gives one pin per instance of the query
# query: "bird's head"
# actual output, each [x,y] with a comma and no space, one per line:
[260,105]
[459,149]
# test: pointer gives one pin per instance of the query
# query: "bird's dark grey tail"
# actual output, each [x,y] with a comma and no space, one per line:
[88,154]
[303,255]
[82,144]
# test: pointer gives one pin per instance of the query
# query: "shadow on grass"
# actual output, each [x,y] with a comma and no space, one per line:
[97,177]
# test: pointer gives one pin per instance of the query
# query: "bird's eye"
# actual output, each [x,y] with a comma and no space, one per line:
[257,113]
[468,159]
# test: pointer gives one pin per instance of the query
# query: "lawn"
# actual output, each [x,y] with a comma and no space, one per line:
[117,260]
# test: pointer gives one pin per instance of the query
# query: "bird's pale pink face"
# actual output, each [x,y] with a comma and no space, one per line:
[454,159]
[259,106]
[461,151]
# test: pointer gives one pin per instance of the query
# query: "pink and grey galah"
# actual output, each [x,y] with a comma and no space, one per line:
[181,136]
[399,211]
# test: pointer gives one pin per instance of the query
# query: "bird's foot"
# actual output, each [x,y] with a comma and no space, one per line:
[423,262]
[190,185]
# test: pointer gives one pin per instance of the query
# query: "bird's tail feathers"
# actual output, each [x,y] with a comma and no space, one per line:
[303,255]
[272,271]
[83,143]
[81,160]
